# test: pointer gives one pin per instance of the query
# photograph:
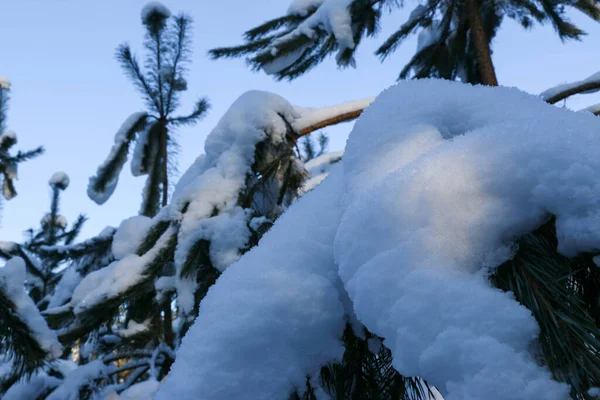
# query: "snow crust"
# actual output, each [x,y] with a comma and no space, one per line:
[4,83]
[100,197]
[60,180]
[594,78]
[130,235]
[12,283]
[32,388]
[289,291]
[64,289]
[437,181]
[333,16]
[154,8]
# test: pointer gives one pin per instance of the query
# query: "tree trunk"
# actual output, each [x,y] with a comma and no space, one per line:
[482,46]
[164,162]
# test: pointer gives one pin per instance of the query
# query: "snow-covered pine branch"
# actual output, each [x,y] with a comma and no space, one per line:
[26,337]
[423,223]
[591,84]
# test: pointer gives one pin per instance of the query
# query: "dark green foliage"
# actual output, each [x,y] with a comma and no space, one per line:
[9,163]
[366,373]
[160,80]
[449,55]
[563,295]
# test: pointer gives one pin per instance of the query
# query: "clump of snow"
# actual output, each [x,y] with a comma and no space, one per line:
[8,138]
[215,180]
[76,379]
[4,83]
[101,196]
[134,328]
[130,235]
[59,220]
[12,283]
[116,278]
[293,317]
[438,179]
[154,10]
[64,289]
[59,180]
[332,16]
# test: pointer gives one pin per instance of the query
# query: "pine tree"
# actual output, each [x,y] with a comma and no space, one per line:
[168,51]
[454,41]
[9,163]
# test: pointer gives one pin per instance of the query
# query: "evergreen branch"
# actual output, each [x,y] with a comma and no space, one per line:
[25,156]
[200,108]
[18,340]
[546,282]
[563,27]
[75,251]
[392,42]
[103,184]
[151,194]
[75,230]
[238,51]
[131,67]
[272,25]
[182,25]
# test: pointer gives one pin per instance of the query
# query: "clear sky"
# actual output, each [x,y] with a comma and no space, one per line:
[70,95]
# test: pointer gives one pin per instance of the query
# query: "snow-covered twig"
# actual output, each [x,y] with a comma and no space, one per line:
[314,119]
[589,85]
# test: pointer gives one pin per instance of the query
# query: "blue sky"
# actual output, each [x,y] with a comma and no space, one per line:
[70,95]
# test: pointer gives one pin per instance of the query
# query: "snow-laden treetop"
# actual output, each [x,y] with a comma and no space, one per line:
[437,181]
[152,10]
[4,83]
[60,180]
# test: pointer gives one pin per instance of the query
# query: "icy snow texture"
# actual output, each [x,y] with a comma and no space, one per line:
[133,328]
[438,179]
[120,139]
[4,83]
[154,8]
[292,319]
[216,178]
[333,16]
[130,235]
[548,94]
[59,179]
[141,391]
[12,282]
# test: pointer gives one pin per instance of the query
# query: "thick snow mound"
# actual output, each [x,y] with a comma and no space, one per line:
[440,178]
[60,180]
[273,317]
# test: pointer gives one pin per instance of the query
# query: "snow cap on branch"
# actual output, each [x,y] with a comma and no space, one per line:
[8,139]
[4,83]
[154,13]
[59,180]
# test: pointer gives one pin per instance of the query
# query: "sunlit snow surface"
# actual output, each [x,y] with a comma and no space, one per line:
[437,179]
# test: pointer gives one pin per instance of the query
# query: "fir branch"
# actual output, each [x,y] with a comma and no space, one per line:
[130,65]
[200,108]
